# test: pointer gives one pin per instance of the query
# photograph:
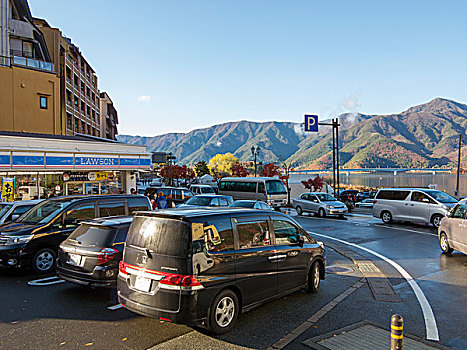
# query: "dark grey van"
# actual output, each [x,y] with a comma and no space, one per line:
[204,267]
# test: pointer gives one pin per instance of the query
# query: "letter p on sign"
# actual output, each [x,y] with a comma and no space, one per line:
[311,123]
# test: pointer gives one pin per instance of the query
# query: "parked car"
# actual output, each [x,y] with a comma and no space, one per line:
[161,278]
[176,195]
[251,204]
[452,230]
[362,195]
[90,255]
[10,211]
[33,240]
[207,200]
[348,195]
[202,189]
[268,189]
[319,203]
[366,203]
[412,204]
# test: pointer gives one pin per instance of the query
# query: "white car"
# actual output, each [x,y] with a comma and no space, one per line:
[319,203]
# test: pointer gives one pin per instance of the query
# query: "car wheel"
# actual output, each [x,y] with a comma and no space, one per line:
[314,278]
[444,244]
[386,217]
[224,312]
[299,210]
[436,220]
[321,213]
[44,261]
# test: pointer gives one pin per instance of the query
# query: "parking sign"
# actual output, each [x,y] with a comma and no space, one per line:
[311,123]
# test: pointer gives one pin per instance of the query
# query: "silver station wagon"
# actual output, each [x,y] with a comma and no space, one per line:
[452,230]
[320,203]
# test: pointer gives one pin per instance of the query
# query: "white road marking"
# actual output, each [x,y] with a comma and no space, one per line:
[406,229]
[115,307]
[46,281]
[430,321]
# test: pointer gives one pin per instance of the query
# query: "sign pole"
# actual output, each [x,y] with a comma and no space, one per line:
[337,155]
[458,165]
[333,157]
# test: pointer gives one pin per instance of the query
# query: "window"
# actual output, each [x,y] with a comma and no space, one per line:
[393,195]
[89,235]
[261,188]
[217,234]
[214,202]
[20,210]
[421,197]
[459,211]
[113,208]
[223,202]
[275,187]
[122,232]
[43,102]
[28,50]
[83,211]
[137,204]
[253,234]
[284,231]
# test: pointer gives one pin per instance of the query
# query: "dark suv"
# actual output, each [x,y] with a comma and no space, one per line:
[205,266]
[34,238]
[90,255]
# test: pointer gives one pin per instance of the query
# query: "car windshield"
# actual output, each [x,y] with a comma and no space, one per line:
[324,197]
[198,200]
[207,190]
[4,208]
[242,204]
[44,212]
[442,197]
[275,187]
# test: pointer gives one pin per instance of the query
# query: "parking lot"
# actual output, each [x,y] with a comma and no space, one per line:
[51,313]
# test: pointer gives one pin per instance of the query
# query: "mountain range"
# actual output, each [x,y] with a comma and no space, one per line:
[426,135]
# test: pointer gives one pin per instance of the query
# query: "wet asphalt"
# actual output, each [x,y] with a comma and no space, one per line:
[66,316]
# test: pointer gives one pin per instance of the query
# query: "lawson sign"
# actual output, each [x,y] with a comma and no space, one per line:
[99,161]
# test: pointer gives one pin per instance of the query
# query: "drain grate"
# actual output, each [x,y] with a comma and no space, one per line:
[337,269]
[365,336]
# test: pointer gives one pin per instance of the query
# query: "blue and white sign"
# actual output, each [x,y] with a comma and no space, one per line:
[27,160]
[95,161]
[311,123]
[129,162]
[5,159]
[145,162]
[58,160]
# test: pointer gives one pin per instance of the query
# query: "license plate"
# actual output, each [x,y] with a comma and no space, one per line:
[75,259]
[143,284]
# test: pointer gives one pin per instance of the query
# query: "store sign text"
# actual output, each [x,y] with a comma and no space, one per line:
[83,161]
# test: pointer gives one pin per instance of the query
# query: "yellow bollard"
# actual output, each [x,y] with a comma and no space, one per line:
[397,330]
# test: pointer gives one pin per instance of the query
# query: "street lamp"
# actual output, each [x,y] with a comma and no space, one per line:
[255,152]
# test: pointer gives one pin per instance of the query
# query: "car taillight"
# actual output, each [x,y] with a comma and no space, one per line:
[180,280]
[106,255]
[122,267]
[374,201]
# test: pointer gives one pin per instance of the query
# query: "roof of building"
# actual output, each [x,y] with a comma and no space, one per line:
[77,137]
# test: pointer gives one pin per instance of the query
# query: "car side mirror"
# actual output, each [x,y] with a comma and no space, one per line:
[70,222]
[296,240]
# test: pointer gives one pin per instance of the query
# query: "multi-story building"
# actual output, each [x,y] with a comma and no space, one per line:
[79,93]
[29,86]
[108,117]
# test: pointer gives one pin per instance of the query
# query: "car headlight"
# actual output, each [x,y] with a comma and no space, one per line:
[11,240]
[329,207]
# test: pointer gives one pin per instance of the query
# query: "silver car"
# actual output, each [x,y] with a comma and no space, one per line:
[319,203]
[10,211]
[452,230]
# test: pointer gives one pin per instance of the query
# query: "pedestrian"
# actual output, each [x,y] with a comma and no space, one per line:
[161,201]
[132,191]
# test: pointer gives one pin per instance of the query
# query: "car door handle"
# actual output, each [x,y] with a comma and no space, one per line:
[277,257]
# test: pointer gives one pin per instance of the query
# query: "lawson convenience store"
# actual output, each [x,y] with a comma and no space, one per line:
[45,165]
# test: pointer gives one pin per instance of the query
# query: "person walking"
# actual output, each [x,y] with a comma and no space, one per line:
[161,201]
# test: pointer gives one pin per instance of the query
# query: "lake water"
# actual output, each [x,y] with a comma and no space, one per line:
[446,182]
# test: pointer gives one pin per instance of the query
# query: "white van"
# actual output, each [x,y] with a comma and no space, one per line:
[412,204]
[267,189]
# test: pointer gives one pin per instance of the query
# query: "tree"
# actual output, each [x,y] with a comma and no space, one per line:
[201,168]
[315,184]
[270,170]
[221,164]
[238,170]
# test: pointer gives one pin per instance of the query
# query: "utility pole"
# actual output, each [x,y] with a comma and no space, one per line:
[333,158]
[255,152]
[458,165]
[337,154]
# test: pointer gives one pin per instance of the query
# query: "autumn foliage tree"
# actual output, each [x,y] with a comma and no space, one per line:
[239,170]
[221,164]
[315,184]
[270,170]
[201,168]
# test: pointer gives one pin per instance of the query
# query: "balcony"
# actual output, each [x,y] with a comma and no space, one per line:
[33,63]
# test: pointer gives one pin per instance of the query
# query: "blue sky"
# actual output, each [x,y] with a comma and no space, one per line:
[174,66]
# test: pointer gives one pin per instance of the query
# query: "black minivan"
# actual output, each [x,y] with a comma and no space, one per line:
[90,255]
[204,266]
[33,239]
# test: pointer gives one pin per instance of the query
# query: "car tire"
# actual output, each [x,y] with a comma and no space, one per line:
[313,278]
[444,244]
[223,312]
[321,213]
[299,210]
[436,220]
[44,261]
[386,217]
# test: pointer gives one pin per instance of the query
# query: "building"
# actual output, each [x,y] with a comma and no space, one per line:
[30,88]
[79,93]
[108,117]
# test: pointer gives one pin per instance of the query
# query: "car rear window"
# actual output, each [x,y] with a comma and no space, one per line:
[160,235]
[393,195]
[93,235]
